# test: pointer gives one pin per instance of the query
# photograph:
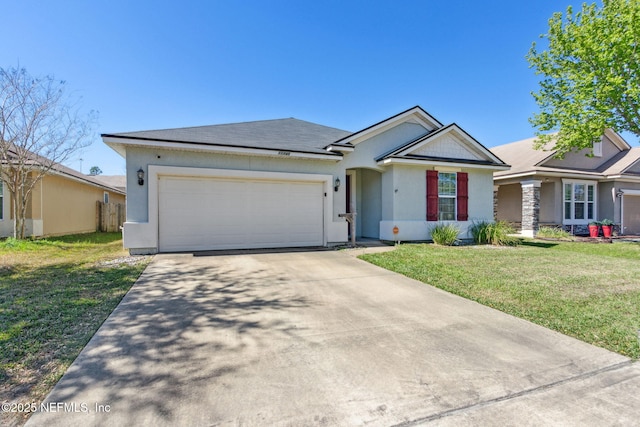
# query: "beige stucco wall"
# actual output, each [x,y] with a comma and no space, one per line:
[510,203]
[551,201]
[67,206]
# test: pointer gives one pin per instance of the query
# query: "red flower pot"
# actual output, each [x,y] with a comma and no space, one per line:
[594,230]
[606,230]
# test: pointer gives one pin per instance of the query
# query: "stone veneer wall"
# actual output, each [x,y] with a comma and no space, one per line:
[530,207]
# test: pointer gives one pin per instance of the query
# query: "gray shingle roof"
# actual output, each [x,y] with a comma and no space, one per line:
[280,134]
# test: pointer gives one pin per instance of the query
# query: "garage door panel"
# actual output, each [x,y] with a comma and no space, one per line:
[213,213]
[631,215]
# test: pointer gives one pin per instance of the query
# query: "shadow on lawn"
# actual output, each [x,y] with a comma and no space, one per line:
[181,328]
[538,244]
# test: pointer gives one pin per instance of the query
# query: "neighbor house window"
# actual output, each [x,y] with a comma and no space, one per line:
[579,202]
[597,149]
[105,197]
[447,196]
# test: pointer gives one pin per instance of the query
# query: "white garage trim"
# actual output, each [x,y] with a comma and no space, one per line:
[154,171]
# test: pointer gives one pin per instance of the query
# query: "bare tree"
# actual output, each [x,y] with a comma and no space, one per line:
[40,126]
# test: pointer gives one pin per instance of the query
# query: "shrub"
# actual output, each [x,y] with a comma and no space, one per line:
[445,234]
[494,233]
[554,233]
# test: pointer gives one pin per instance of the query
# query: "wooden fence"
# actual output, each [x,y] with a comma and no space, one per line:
[109,216]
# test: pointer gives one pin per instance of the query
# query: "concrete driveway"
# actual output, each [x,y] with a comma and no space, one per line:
[322,338]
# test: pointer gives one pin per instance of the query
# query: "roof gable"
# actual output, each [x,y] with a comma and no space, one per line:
[617,158]
[448,144]
[415,115]
[611,146]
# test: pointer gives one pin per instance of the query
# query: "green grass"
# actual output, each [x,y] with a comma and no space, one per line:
[588,291]
[54,294]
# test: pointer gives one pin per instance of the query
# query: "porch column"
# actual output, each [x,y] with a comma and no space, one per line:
[530,207]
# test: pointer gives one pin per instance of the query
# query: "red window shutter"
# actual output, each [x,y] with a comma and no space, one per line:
[432,195]
[463,196]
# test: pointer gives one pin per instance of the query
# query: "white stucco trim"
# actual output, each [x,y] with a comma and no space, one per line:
[630,192]
[119,145]
[145,234]
[531,183]
[340,148]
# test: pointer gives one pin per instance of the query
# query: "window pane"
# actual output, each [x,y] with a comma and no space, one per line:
[590,193]
[567,210]
[567,192]
[446,184]
[578,211]
[446,209]
[578,193]
[589,210]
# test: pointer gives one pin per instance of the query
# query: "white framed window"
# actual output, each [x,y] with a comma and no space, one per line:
[597,148]
[447,196]
[105,197]
[579,202]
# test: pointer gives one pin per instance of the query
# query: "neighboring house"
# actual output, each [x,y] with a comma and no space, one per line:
[63,202]
[541,189]
[116,181]
[284,183]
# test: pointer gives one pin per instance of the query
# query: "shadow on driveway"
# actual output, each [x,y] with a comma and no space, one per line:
[322,338]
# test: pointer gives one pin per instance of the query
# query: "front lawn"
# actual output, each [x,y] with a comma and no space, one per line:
[588,291]
[54,294]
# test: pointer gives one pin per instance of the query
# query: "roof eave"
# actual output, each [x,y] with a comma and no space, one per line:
[441,162]
[556,174]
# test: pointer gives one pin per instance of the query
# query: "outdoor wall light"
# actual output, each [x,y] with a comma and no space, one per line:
[336,184]
[140,177]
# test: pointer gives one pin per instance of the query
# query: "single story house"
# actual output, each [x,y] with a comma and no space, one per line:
[588,185]
[63,202]
[287,182]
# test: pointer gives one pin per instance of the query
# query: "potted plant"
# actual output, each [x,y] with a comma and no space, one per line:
[594,229]
[607,227]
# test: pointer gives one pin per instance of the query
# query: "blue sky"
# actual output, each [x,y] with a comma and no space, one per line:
[346,64]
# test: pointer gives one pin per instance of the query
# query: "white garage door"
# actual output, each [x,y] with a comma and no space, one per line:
[221,213]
